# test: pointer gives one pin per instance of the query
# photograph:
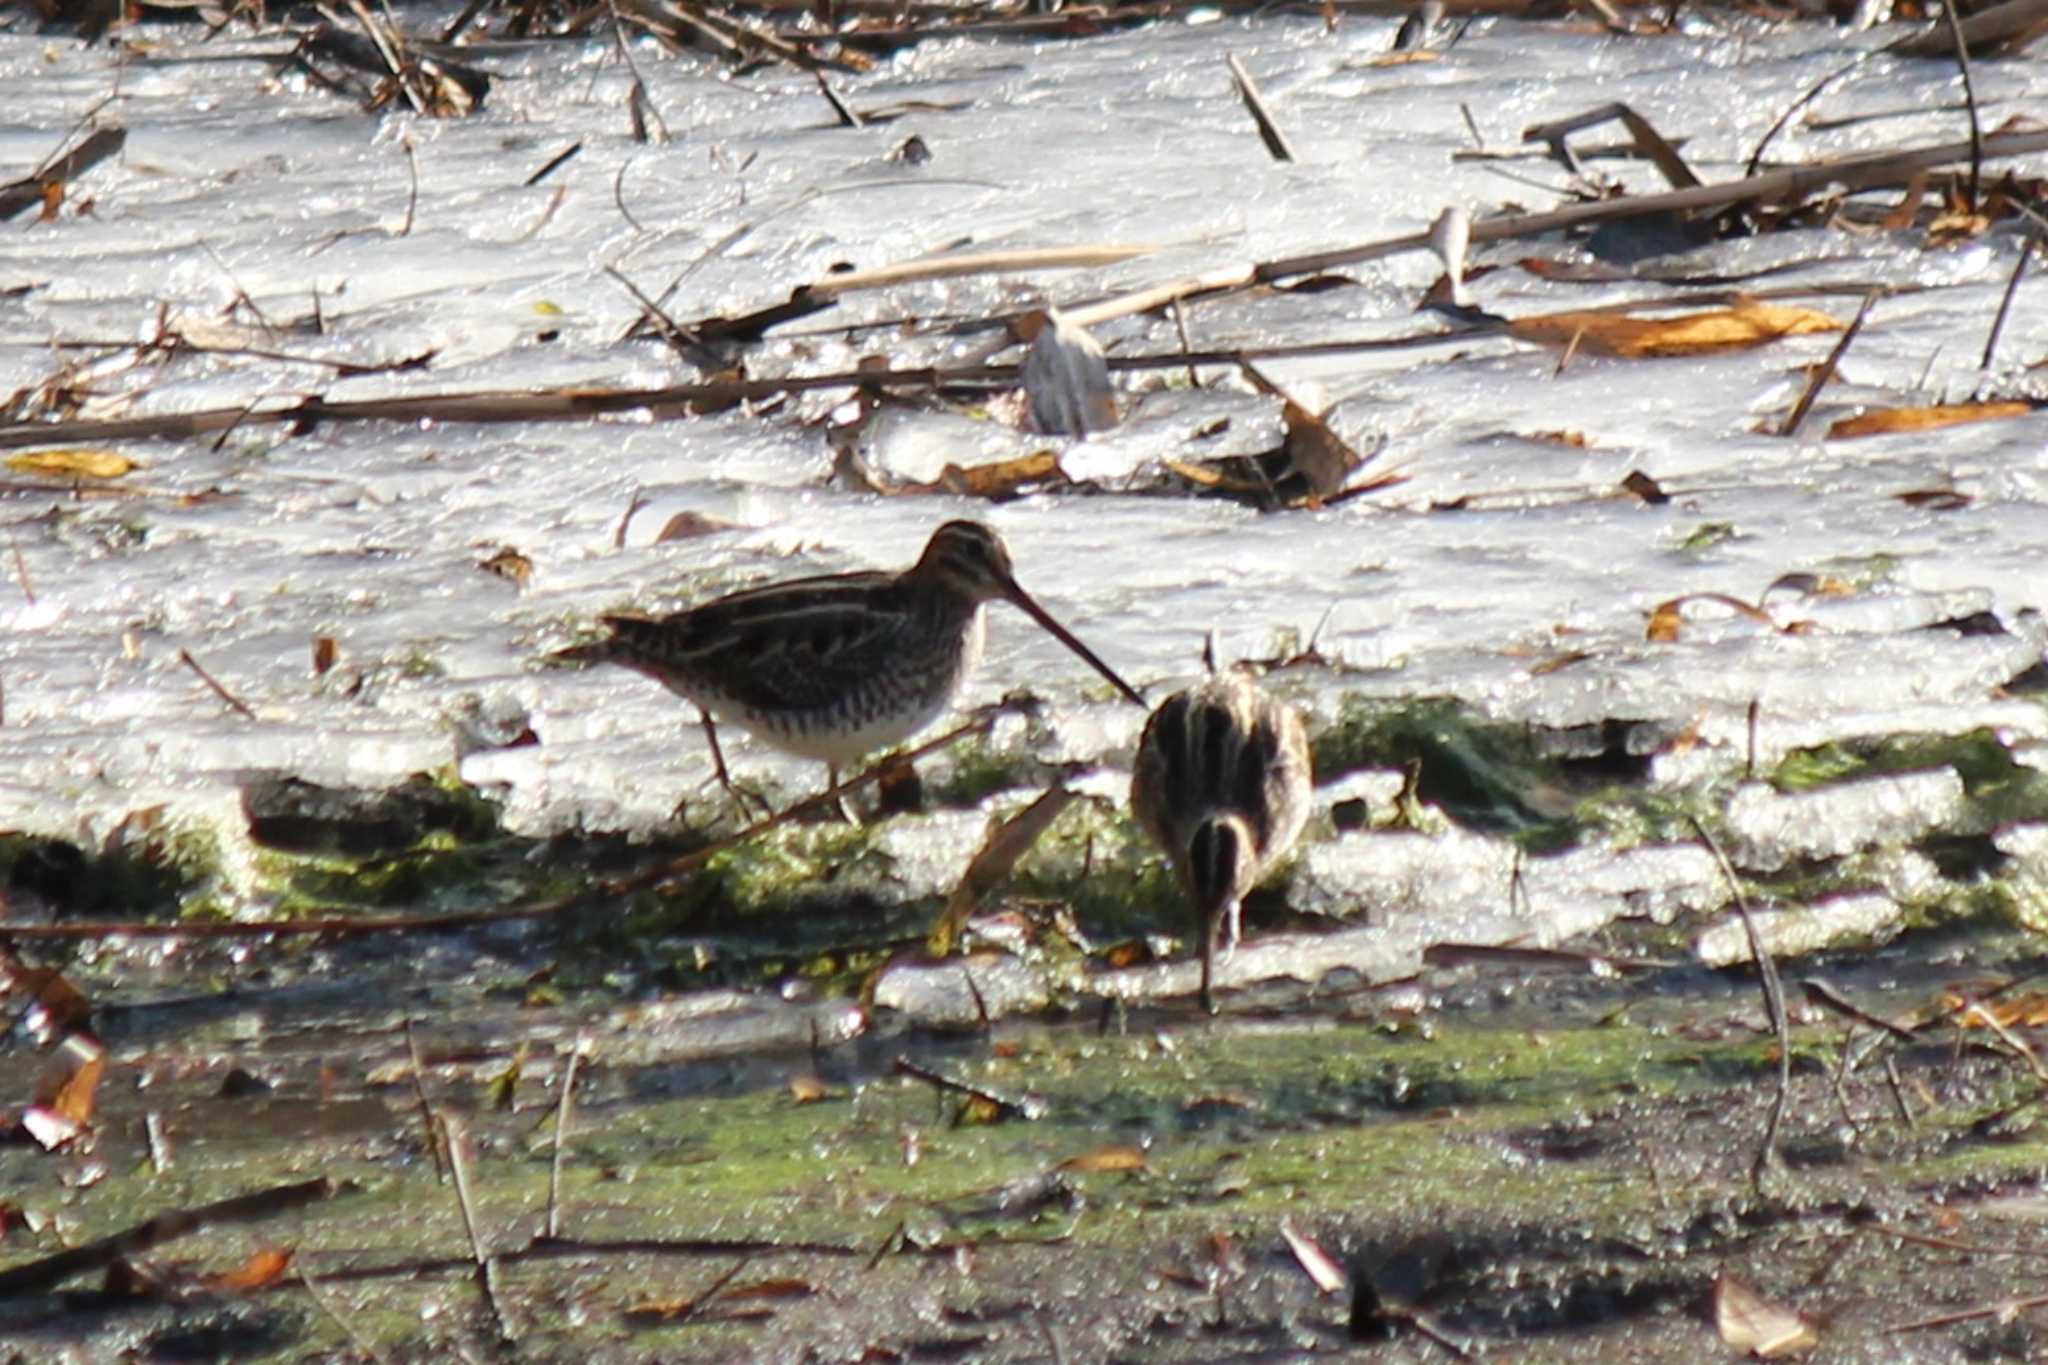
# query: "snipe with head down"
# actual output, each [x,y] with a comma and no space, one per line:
[1222,785]
[841,665]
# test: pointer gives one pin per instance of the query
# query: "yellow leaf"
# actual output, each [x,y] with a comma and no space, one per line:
[1727,329]
[72,464]
[1115,1157]
[1884,420]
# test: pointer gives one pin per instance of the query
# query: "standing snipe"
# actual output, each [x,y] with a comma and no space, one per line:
[838,666]
[1222,784]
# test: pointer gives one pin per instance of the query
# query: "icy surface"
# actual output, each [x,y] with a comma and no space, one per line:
[1505,551]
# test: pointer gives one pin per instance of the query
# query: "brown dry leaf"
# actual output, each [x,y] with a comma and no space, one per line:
[325,653]
[1203,475]
[991,864]
[68,1083]
[1557,662]
[1667,622]
[1643,486]
[660,1310]
[1408,58]
[1957,226]
[1901,217]
[2026,1010]
[509,563]
[1115,1157]
[1001,479]
[73,464]
[770,1289]
[1324,459]
[62,1109]
[1936,499]
[1577,440]
[688,525]
[1727,329]
[1750,1322]
[1329,1277]
[806,1088]
[1882,421]
[265,1267]
[58,1008]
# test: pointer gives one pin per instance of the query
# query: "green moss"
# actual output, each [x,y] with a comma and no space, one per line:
[977,771]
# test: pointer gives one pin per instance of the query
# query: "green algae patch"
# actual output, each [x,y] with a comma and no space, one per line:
[142,868]
[2003,789]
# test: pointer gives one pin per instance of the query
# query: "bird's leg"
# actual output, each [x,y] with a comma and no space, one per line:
[738,797]
[1210,924]
[1230,921]
[846,810]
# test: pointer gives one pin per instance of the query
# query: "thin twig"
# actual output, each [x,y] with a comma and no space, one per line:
[430,1122]
[363,1348]
[1825,371]
[555,163]
[1774,1006]
[1955,32]
[1009,1108]
[165,1227]
[1248,90]
[553,1224]
[486,1271]
[28,589]
[185,658]
[412,197]
[2012,285]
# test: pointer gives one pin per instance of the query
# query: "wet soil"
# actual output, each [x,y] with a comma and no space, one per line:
[1554,1165]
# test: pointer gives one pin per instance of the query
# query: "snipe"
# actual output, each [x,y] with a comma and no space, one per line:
[1222,785]
[838,666]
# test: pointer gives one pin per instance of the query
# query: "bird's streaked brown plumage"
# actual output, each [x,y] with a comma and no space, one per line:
[837,666]
[1222,785]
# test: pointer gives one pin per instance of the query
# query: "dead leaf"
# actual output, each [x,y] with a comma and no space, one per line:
[1668,620]
[1634,338]
[73,464]
[999,853]
[1936,499]
[1000,479]
[2020,1010]
[325,653]
[265,1267]
[1645,487]
[1329,1277]
[1749,1322]
[1324,459]
[57,1006]
[1882,421]
[1557,662]
[1908,208]
[509,563]
[688,525]
[1201,474]
[806,1088]
[62,1109]
[1115,1157]
[770,1289]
